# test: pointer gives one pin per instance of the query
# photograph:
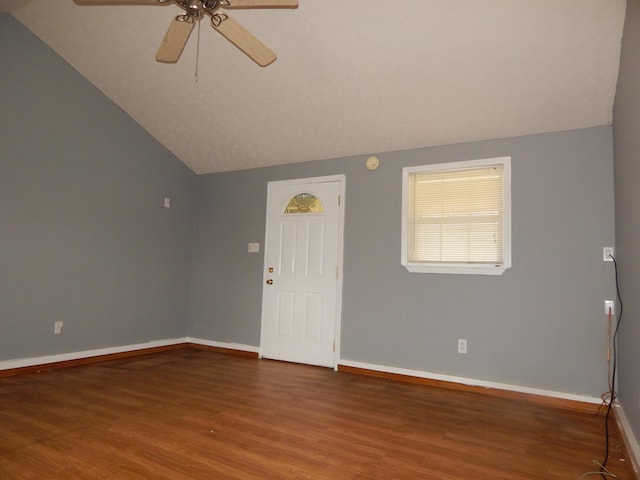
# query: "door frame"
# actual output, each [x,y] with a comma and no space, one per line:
[341,179]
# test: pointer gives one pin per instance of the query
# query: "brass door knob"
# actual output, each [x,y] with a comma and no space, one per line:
[269,282]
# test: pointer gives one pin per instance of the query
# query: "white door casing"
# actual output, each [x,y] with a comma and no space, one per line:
[302,283]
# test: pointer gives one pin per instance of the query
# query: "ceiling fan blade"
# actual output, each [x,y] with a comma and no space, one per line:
[119,2]
[262,4]
[244,40]
[174,41]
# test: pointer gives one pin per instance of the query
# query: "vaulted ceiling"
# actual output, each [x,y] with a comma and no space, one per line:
[353,77]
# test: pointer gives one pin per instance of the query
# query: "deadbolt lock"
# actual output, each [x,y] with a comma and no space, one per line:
[270,269]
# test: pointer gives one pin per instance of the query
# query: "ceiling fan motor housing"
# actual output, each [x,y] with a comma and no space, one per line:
[194,8]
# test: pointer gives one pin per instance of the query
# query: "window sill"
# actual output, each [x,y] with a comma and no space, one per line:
[456,269]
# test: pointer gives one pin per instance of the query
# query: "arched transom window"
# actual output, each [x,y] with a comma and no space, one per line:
[304,203]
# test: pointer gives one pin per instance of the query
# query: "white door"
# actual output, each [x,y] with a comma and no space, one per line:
[301,272]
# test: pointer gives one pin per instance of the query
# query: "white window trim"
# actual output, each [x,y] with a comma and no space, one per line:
[450,267]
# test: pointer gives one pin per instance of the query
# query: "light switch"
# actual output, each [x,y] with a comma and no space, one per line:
[253,248]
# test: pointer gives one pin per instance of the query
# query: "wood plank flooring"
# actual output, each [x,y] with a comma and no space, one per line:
[193,414]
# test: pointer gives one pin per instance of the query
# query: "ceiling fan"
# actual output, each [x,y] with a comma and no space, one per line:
[181,26]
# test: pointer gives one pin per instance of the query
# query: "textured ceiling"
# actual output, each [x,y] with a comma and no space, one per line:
[8,5]
[353,77]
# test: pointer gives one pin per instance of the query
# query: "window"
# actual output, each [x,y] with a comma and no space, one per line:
[304,203]
[456,217]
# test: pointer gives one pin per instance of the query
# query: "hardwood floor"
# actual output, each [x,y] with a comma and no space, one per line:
[193,414]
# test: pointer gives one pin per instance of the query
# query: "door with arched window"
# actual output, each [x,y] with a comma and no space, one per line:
[302,271]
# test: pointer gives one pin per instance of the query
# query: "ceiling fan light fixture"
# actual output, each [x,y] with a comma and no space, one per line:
[178,33]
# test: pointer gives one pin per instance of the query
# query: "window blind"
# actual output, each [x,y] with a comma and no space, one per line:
[456,216]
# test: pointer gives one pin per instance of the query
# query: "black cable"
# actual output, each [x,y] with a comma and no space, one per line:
[612,392]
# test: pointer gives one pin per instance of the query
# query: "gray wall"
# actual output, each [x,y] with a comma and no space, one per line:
[85,240]
[84,237]
[541,324]
[627,181]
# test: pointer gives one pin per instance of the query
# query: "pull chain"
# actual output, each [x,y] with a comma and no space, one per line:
[197,52]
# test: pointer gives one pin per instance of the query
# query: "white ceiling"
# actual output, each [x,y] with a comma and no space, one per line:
[353,77]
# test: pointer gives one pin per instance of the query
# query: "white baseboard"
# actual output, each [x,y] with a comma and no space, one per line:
[63,357]
[470,381]
[29,362]
[228,346]
[631,442]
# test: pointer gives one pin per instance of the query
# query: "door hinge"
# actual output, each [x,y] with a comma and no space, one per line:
[336,272]
[339,198]
[334,345]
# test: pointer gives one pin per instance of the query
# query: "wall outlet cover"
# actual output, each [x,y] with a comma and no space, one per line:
[609,304]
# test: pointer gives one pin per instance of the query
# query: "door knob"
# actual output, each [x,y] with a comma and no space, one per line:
[269,282]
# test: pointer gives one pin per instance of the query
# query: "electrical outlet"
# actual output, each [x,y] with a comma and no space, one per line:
[462,345]
[607,253]
[57,328]
[609,305]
